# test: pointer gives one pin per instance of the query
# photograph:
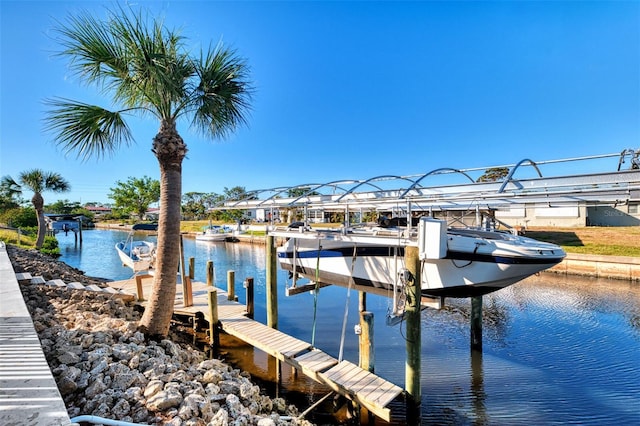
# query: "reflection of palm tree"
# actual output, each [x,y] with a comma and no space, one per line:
[145,68]
[37,181]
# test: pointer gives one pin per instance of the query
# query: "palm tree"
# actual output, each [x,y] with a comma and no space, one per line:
[145,69]
[37,181]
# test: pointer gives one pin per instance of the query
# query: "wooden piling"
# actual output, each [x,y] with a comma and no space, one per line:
[231,285]
[139,291]
[272,283]
[214,339]
[476,323]
[186,282]
[192,267]
[248,283]
[367,353]
[414,337]
[209,273]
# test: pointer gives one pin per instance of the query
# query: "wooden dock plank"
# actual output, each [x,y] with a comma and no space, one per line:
[342,370]
[357,384]
[346,374]
[348,381]
[319,364]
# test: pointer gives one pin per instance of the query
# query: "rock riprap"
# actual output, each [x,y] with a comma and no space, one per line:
[105,367]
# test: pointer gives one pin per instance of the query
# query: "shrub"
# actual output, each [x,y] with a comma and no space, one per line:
[20,217]
[50,247]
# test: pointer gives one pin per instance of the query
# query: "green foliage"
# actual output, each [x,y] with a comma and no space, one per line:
[9,194]
[50,247]
[195,204]
[116,214]
[62,207]
[20,217]
[494,174]
[299,191]
[86,213]
[236,193]
[135,195]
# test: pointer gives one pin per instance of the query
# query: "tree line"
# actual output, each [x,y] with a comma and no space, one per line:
[132,199]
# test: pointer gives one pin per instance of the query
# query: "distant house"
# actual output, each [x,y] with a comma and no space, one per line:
[579,214]
[98,211]
[152,214]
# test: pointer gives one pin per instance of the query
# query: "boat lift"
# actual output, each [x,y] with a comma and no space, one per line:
[383,194]
[404,194]
[409,196]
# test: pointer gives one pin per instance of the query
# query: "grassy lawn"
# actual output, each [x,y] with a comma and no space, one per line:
[11,237]
[610,241]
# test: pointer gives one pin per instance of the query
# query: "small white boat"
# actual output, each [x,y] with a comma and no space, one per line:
[453,262]
[215,233]
[138,255]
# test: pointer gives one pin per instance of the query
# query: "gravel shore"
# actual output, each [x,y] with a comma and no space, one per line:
[104,367]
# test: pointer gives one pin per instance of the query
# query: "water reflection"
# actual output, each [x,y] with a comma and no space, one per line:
[556,349]
[477,387]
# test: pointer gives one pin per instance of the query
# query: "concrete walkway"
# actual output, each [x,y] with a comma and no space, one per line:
[28,391]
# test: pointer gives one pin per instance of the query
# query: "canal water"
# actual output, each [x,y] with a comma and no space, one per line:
[556,349]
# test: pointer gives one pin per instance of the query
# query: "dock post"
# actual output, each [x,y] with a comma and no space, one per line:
[366,359]
[414,337]
[231,285]
[187,297]
[209,273]
[272,283]
[367,354]
[80,229]
[476,323]
[248,284]
[213,317]
[139,291]
[192,266]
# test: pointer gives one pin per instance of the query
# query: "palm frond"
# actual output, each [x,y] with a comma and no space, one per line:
[9,187]
[55,182]
[87,130]
[223,95]
[32,179]
[96,55]
[156,67]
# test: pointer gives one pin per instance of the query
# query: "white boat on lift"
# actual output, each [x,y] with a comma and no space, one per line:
[139,255]
[215,233]
[453,262]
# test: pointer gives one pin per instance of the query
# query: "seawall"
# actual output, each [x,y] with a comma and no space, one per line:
[611,267]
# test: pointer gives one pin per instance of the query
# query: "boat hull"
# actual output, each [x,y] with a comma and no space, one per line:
[212,237]
[474,271]
[215,233]
[137,262]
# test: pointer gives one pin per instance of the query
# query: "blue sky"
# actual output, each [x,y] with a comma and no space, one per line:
[352,90]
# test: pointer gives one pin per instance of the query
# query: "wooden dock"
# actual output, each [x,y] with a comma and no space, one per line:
[359,385]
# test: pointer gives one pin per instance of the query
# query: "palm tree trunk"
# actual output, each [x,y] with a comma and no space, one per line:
[38,205]
[170,151]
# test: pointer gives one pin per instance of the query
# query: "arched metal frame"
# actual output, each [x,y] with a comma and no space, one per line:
[447,196]
[513,170]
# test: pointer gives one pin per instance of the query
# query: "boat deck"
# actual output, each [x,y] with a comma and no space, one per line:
[344,377]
